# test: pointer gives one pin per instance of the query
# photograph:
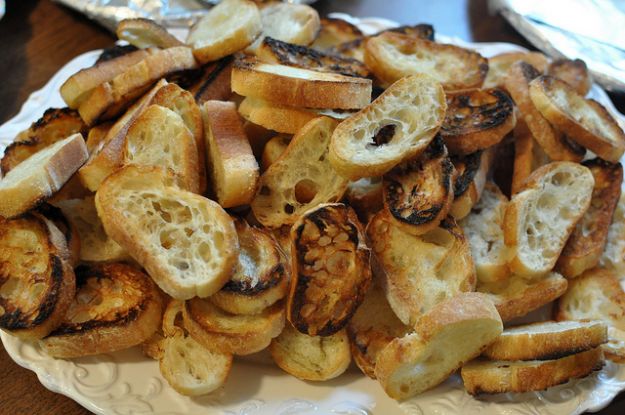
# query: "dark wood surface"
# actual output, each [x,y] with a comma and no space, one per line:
[38,37]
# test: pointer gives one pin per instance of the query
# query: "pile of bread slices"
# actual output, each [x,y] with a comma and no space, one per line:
[283,181]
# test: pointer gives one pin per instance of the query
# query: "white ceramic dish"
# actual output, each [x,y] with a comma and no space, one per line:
[126,382]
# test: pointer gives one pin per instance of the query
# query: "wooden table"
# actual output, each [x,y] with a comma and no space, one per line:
[38,37]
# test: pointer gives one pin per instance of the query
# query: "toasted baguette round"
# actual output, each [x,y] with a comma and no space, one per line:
[36,179]
[535,375]
[116,306]
[397,126]
[584,120]
[274,149]
[330,269]
[311,358]
[333,32]
[573,72]
[547,340]
[528,155]
[452,333]
[145,33]
[292,23]
[224,29]
[498,66]
[275,117]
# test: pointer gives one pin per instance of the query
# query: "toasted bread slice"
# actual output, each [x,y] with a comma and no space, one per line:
[312,358]
[275,117]
[397,126]
[528,156]
[41,175]
[540,218]
[330,269]
[238,334]
[233,169]
[274,149]
[111,98]
[67,229]
[483,229]
[366,197]
[418,193]
[116,307]
[517,83]
[187,243]
[214,84]
[471,172]
[97,135]
[452,333]
[373,326]
[392,56]
[477,119]
[482,376]
[498,66]
[304,165]
[55,124]
[37,281]
[547,340]
[159,137]
[298,87]
[288,22]
[259,279]
[587,242]
[79,86]
[516,297]
[613,256]
[585,121]
[145,33]
[573,72]
[334,32]
[419,272]
[275,51]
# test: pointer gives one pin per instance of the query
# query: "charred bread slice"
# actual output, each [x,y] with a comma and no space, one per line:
[418,193]
[471,172]
[498,66]
[259,279]
[37,282]
[330,269]
[288,22]
[274,149]
[214,84]
[585,121]
[572,71]
[116,307]
[392,56]
[366,197]
[586,244]
[145,33]
[333,32]
[477,119]
[279,118]
[397,126]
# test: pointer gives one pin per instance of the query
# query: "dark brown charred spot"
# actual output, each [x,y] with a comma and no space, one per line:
[115,52]
[384,135]
[56,215]
[244,62]
[185,78]
[476,110]
[466,168]
[572,145]
[528,71]
[211,73]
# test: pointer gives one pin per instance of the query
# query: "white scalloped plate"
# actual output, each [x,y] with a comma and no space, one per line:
[126,382]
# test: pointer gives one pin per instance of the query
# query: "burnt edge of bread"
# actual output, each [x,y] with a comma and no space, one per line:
[471,164]
[244,287]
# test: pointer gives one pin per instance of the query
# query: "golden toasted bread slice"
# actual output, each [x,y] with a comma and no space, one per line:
[303,170]
[116,307]
[55,125]
[585,121]
[40,176]
[259,279]
[498,66]
[418,272]
[313,358]
[67,229]
[334,32]
[392,56]
[547,340]
[471,172]
[540,218]
[280,118]
[373,326]
[573,72]
[418,193]
[238,334]
[613,256]
[275,51]
[214,84]
[586,244]
[482,376]
[96,136]
[477,119]
[274,149]
[298,87]
[366,197]
[37,281]
[516,297]
[233,169]
[553,143]
[452,333]
[288,22]
[187,243]
[330,269]
[397,126]
[145,33]
[528,155]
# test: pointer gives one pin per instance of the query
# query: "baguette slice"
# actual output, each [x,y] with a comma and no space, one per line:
[584,120]
[41,175]
[292,23]
[528,155]
[334,32]
[547,340]
[298,87]
[214,84]
[398,125]
[535,375]
[234,170]
[312,358]
[540,218]
[613,256]
[275,117]
[452,333]
[274,149]
[187,243]
[498,66]
[471,172]
[145,33]
[588,240]
[573,72]
[392,56]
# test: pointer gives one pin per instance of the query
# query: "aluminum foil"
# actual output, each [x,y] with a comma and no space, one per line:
[591,30]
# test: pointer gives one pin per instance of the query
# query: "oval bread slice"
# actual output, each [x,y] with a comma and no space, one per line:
[145,33]
[275,117]
[333,32]
[573,72]
[288,22]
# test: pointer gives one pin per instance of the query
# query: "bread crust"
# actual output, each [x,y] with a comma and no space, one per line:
[471,172]
[498,66]
[528,156]
[333,32]
[67,229]
[214,84]
[145,33]
[572,71]
[280,118]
